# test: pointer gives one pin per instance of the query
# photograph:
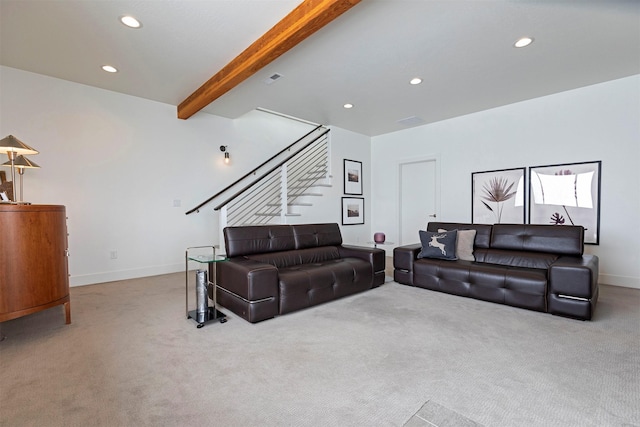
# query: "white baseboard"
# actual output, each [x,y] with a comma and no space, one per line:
[112,276]
[624,281]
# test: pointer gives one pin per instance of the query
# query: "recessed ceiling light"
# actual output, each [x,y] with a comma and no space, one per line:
[109,69]
[130,21]
[348,105]
[524,41]
[415,81]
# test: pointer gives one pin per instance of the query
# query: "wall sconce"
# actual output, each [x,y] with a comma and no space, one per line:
[227,158]
[21,163]
[14,147]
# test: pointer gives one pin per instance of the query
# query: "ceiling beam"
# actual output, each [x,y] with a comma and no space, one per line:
[307,18]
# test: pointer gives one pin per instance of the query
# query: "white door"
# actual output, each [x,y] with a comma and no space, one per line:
[418,198]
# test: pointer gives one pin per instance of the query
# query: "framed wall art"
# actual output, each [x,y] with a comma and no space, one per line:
[352,210]
[498,196]
[567,194]
[352,177]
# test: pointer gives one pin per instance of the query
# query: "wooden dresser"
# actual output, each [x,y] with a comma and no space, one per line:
[33,260]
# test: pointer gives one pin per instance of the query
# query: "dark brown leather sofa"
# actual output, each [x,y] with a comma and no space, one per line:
[538,267]
[277,269]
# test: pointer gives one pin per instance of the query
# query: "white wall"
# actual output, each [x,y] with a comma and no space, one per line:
[119,162]
[600,122]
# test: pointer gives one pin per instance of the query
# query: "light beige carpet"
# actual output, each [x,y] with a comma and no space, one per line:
[130,357]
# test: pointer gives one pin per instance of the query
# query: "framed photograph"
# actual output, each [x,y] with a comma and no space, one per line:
[567,194]
[352,210]
[352,177]
[498,196]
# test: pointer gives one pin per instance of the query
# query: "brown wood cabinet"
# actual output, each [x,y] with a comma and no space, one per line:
[33,260]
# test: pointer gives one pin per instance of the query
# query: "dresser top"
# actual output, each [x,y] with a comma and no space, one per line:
[10,207]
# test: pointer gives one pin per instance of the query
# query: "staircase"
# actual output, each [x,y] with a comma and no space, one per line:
[274,197]
[281,187]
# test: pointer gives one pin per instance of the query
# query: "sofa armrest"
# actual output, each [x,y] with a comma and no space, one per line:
[373,256]
[403,258]
[574,276]
[249,279]
[573,286]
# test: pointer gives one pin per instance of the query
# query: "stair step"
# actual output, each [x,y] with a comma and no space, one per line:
[308,186]
[291,204]
[275,214]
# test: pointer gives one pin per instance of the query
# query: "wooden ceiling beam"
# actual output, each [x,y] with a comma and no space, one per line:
[307,18]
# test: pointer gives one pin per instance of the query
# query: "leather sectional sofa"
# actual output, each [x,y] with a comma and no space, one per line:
[277,269]
[538,267]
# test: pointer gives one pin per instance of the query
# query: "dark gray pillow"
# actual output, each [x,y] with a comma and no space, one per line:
[438,245]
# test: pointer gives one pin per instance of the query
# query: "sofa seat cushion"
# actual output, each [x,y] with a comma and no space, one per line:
[519,287]
[522,259]
[306,285]
[285,259]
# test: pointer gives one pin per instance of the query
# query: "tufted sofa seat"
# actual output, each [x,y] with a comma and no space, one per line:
[277,269]
[538,267]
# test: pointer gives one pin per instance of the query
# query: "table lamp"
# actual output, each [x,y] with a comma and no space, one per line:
[14,147]
[21,163]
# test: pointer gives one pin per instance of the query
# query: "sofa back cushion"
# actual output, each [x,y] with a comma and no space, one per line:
[525,259]
[483,231]
[555,239]
[258,239]
[315,235]
[297,257]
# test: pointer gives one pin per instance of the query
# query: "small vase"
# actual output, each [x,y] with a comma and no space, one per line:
[378,237]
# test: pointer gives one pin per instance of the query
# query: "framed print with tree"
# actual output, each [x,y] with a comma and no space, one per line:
[352,177]
[352,210]
[498,196]
[567,194]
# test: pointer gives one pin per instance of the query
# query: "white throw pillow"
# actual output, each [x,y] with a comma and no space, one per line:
[464,244]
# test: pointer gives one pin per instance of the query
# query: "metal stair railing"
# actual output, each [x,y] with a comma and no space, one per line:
[317,133]
[269,197]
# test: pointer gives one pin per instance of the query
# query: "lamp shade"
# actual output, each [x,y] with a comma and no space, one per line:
[12,144]
[21,162]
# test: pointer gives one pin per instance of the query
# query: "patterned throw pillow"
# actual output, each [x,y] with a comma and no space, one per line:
[438,245]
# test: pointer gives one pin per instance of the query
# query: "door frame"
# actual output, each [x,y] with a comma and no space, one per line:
[423,159]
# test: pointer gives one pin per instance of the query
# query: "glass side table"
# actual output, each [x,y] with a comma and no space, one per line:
[211,313]
[375,244]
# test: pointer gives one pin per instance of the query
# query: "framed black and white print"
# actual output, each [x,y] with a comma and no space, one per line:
[352,210]
[567,194]
[352,177]
[498,196]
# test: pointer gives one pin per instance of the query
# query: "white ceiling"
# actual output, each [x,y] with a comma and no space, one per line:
[461,48]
